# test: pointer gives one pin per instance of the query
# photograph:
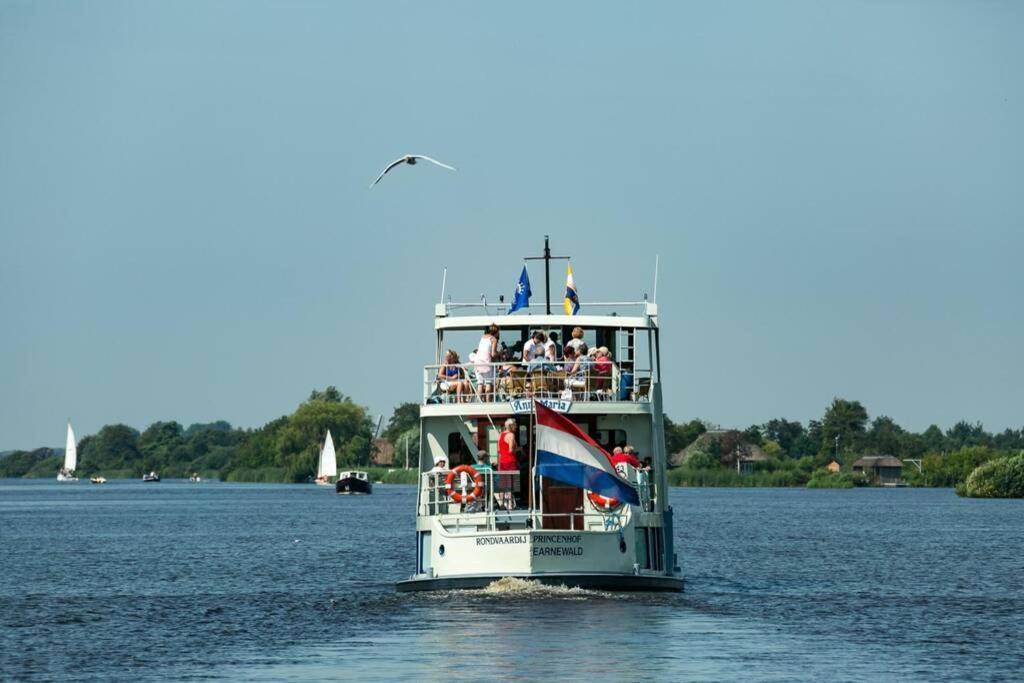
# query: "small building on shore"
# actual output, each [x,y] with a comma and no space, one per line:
[833,466]
[880,469]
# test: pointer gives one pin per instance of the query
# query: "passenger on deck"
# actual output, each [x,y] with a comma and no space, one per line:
[451,377]
[577,339]
[486,351]
[505,369]
[624,457]
[483,462]
[507,462]
[576,376]
[552,349]
[631,458]
[570,359]
[533,349]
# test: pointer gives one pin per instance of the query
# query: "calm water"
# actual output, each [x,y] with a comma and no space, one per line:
[182,581]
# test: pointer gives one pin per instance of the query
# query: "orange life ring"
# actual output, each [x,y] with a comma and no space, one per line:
[602,503]
[478,484]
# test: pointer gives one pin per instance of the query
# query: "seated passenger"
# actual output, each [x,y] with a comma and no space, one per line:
[577,339]
[451,378]
[570,359]
[576,376]
[533,349]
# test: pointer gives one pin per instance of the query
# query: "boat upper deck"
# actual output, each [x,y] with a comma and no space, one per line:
[619,364]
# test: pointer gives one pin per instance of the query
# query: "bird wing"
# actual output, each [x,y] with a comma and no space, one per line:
[390,166]
[433,161]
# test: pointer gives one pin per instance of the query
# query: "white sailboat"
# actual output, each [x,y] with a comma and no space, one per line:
[327,467]
[67,473]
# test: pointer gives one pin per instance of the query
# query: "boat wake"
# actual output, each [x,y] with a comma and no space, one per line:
[523,588]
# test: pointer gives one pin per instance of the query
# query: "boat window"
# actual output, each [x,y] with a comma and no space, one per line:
[457,454]
[610,438]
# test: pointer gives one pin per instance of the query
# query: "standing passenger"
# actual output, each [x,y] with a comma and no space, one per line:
[485,352]
[507,462]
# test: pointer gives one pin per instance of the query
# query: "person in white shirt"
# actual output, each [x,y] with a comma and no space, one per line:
[533,349]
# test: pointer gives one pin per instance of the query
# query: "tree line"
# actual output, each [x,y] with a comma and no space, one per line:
[845,433]
[283,450]
[286,449]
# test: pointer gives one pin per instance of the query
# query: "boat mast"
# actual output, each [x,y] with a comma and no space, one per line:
[547,258]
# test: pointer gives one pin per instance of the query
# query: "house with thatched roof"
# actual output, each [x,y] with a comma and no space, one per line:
[730,446]
[880,469]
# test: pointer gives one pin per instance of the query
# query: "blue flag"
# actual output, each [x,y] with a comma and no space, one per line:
[521,299]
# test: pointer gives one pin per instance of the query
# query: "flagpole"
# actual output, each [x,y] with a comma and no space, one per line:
[547,258]
[533,455]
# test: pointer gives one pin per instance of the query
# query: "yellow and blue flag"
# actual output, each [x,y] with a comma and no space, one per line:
[572,299]
[521,298]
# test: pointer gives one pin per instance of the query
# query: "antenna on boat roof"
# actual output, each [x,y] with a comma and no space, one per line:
[444,281]
[654,299]
[547,258]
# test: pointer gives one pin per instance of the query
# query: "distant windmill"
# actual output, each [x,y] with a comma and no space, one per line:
[410,159]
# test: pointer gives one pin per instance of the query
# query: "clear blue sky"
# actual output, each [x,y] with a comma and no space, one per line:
[835,191]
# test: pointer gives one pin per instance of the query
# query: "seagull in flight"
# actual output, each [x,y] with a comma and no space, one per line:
[410,159]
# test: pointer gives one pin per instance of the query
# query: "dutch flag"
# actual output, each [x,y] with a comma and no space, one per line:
[566,454]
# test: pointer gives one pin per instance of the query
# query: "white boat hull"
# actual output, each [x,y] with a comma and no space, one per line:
[607,560]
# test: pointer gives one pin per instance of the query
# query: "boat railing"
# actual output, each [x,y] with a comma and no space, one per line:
[498,308]
[469,383]
[493,503]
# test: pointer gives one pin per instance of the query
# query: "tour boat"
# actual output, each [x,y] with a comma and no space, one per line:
[353,483]
[571,510]
[67,472]
[151,477]
[327,465]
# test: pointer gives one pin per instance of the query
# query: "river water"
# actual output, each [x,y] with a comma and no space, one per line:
[132,581]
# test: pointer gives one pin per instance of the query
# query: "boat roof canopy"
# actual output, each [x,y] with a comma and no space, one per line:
[445,320]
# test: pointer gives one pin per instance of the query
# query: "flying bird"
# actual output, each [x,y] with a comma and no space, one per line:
[410,159]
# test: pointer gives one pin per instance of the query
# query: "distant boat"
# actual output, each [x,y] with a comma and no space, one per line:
[353,482]
[152,476]
[327,466]
[98,480]
[67,473]
[195,478]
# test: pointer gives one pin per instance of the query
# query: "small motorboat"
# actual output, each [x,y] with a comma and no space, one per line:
[98,480]
[152,476]
[195,478]
[353,483]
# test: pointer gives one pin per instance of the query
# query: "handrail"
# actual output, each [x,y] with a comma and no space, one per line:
[435,501]
[539,378]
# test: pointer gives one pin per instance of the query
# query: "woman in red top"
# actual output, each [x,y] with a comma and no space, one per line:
[507,462]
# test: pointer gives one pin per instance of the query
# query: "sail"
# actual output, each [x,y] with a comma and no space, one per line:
[328,461]
[70,451]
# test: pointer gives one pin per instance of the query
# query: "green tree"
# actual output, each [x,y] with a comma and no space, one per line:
[405,417]
[298,441]
[934,439]
[679,436]
[964,433]
[847,420]
[114,447]
[784,433]
[330,394]
[884,436]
